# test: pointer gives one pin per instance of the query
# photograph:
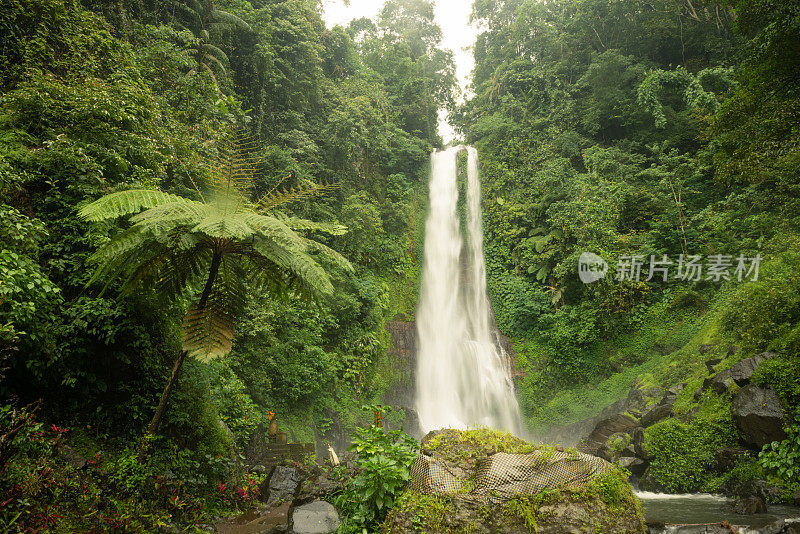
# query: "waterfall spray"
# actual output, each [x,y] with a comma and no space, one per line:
[462,375]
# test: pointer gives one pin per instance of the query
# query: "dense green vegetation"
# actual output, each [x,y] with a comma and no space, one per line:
[168,97]
[639,128]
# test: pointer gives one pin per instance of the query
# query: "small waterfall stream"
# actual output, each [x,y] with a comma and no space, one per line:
[463,378]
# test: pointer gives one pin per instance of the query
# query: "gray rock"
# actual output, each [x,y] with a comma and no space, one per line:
[715,528]
[727,458]
[606,429]
[710,364]
[637,437]
[72,457]
[748,506]
[655,414]
[317,487]
[636,466]
[719,383]
[282,484]
[758,415]
[776,527]
[317,517]
[742,371]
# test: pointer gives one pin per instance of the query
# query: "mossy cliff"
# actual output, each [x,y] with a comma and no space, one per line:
[600,502]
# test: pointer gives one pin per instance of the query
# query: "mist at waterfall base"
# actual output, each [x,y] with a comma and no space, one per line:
[463,380]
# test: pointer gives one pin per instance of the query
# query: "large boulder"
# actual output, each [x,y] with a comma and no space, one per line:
[282,484]
[484,481]
[758,415]
[607,428]
[317,517]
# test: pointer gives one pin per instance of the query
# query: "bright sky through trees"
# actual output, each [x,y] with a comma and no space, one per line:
[451,15]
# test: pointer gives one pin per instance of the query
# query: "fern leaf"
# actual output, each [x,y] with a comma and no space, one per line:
[272,200]
[123,203]
[301,225]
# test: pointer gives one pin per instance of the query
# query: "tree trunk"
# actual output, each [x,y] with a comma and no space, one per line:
[152,428]
[162,404]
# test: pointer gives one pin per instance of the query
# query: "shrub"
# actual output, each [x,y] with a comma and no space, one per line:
[384,463]
[683,453]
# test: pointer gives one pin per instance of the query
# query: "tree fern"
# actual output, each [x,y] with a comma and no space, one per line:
[212,253]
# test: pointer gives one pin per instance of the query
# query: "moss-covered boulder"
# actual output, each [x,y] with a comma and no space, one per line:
[484,481]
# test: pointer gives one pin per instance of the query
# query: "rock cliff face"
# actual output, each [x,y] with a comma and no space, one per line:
[483,481]
[403,353]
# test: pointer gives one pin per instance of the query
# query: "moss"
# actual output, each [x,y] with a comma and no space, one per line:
[427,513]
[470,444]
[527,508]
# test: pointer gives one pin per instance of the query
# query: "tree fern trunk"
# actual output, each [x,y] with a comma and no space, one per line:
[152,428]
[162,404]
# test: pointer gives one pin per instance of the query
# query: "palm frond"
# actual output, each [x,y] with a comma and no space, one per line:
[210,50]
[123,203]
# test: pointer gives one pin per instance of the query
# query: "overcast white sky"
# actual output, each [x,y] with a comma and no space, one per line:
[451,15]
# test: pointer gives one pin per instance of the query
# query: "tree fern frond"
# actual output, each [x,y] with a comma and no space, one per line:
[184,269]
[229,18]
[299,264]
[272,200]
[208,332]
[330,255]
[298,224]
[123,203]
[181,211]
[230,226]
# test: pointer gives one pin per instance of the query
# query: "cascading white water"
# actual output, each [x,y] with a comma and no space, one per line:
[462,376]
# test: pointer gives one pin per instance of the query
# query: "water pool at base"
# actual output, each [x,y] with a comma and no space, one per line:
[705,508]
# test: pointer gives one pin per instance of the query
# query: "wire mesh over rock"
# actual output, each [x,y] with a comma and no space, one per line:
[488,481]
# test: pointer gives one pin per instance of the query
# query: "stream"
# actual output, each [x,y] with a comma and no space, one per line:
[687,509]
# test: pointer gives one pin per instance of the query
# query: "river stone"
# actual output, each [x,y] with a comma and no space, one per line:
[636,466]
[72,457]
[748,506]
[637,437]
[727,458]
[758,415]
[317,517]
[604,430]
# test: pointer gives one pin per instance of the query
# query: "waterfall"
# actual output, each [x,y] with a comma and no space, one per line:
[463,378]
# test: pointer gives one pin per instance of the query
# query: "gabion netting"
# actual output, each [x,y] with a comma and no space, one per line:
[502,476]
